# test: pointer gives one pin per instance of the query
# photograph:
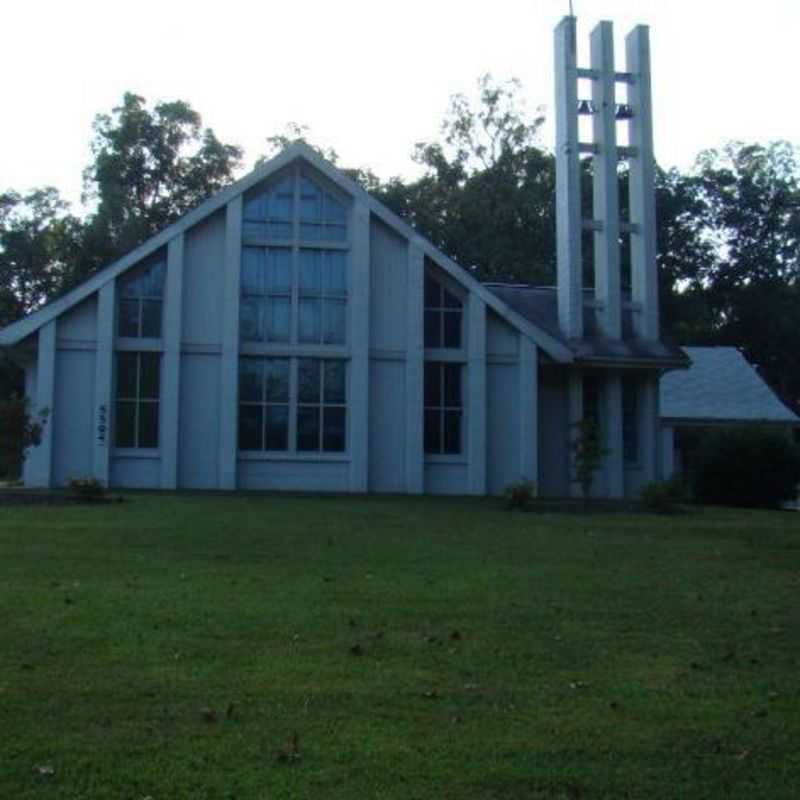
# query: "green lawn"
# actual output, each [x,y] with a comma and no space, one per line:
[277,647]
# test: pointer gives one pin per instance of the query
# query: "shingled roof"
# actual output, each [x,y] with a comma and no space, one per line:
[720,386]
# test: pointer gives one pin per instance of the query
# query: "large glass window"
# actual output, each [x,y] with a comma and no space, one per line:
[443,314]
[443,407]
[264,404]
[296,292]
[297,404]
[139,309]
[321,405]
[323,296]
[266,294]
[630,420]
[137,399]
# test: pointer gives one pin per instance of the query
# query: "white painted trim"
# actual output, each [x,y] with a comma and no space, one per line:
[41,474]
[171,363]
[528,412]
[415,371]
[476,387]
[358,389]
[104,382]
[229,378]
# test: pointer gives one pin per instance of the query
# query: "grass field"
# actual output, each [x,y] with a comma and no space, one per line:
[293,647]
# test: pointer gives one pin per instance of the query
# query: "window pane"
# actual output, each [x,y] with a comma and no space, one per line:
[433,379]
[279,230]
[281,201]
[334,381]
[277,431]
[310,270]
[148,424]
[127,366]
[252,270]
[250,426]
[254,231]
[128,318]
[149,375]
[125,424]
[335,272]
[311,231]
[433,432]
[308,428]
[334,232]
[433,328]
[130,286]
[151,318]
[255,207]
[280,309]
[335,321]
[310,201]
[308,372]
[279,269]
[334,210]
[433,293]
[452,328]
[251,380]
[277,374]
[333,435]
[452,384]
[452,432]
[450,300]
[152,281]
[251,323]
[309,322]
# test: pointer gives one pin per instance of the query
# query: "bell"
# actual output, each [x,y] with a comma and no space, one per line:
[624,111]
[586,108]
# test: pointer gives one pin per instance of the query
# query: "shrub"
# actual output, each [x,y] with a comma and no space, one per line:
[87,488]
[589,453]
[19,430]
[521,495]
[663,497]
[750,467]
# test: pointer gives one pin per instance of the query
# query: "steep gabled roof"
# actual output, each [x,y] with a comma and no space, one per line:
[720,386]
[16,332]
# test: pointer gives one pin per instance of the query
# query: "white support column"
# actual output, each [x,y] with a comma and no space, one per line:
[41,474]
[605,182]
[614,463]
[568,185]
[667,452]
[358,399]
[415,371]
[528,411]
[574,416]
[649,426]
[476,383]
[104,382]
[229,373]
[644,275]
[171,364]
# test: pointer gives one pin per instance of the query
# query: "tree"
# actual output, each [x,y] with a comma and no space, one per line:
[148,168]
[487,195]
[39,239]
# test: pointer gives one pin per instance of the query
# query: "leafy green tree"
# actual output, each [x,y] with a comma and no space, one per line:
[149,167]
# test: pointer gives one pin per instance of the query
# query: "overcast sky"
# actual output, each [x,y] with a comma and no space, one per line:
[371,78]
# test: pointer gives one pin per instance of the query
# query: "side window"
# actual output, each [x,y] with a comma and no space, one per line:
[264,404]
[137,399]
[443,316]
[443,407]
[140,306]
[321,405]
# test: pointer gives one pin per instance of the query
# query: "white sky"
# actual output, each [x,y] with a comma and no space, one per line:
[370,78]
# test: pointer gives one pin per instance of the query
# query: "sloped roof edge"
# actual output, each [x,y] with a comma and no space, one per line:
[23,328]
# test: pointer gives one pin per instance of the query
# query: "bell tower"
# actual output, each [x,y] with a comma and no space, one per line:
[593,92]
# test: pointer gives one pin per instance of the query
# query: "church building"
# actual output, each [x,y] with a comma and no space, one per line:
[292,333]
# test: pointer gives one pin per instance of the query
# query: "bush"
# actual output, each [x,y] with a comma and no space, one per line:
[87,488]
[663,497]
[19,430]
[750,467]
[521,495]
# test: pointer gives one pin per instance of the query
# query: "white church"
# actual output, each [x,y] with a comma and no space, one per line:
[291,333]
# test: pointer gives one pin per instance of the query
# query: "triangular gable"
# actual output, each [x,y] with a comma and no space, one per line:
[23,328]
